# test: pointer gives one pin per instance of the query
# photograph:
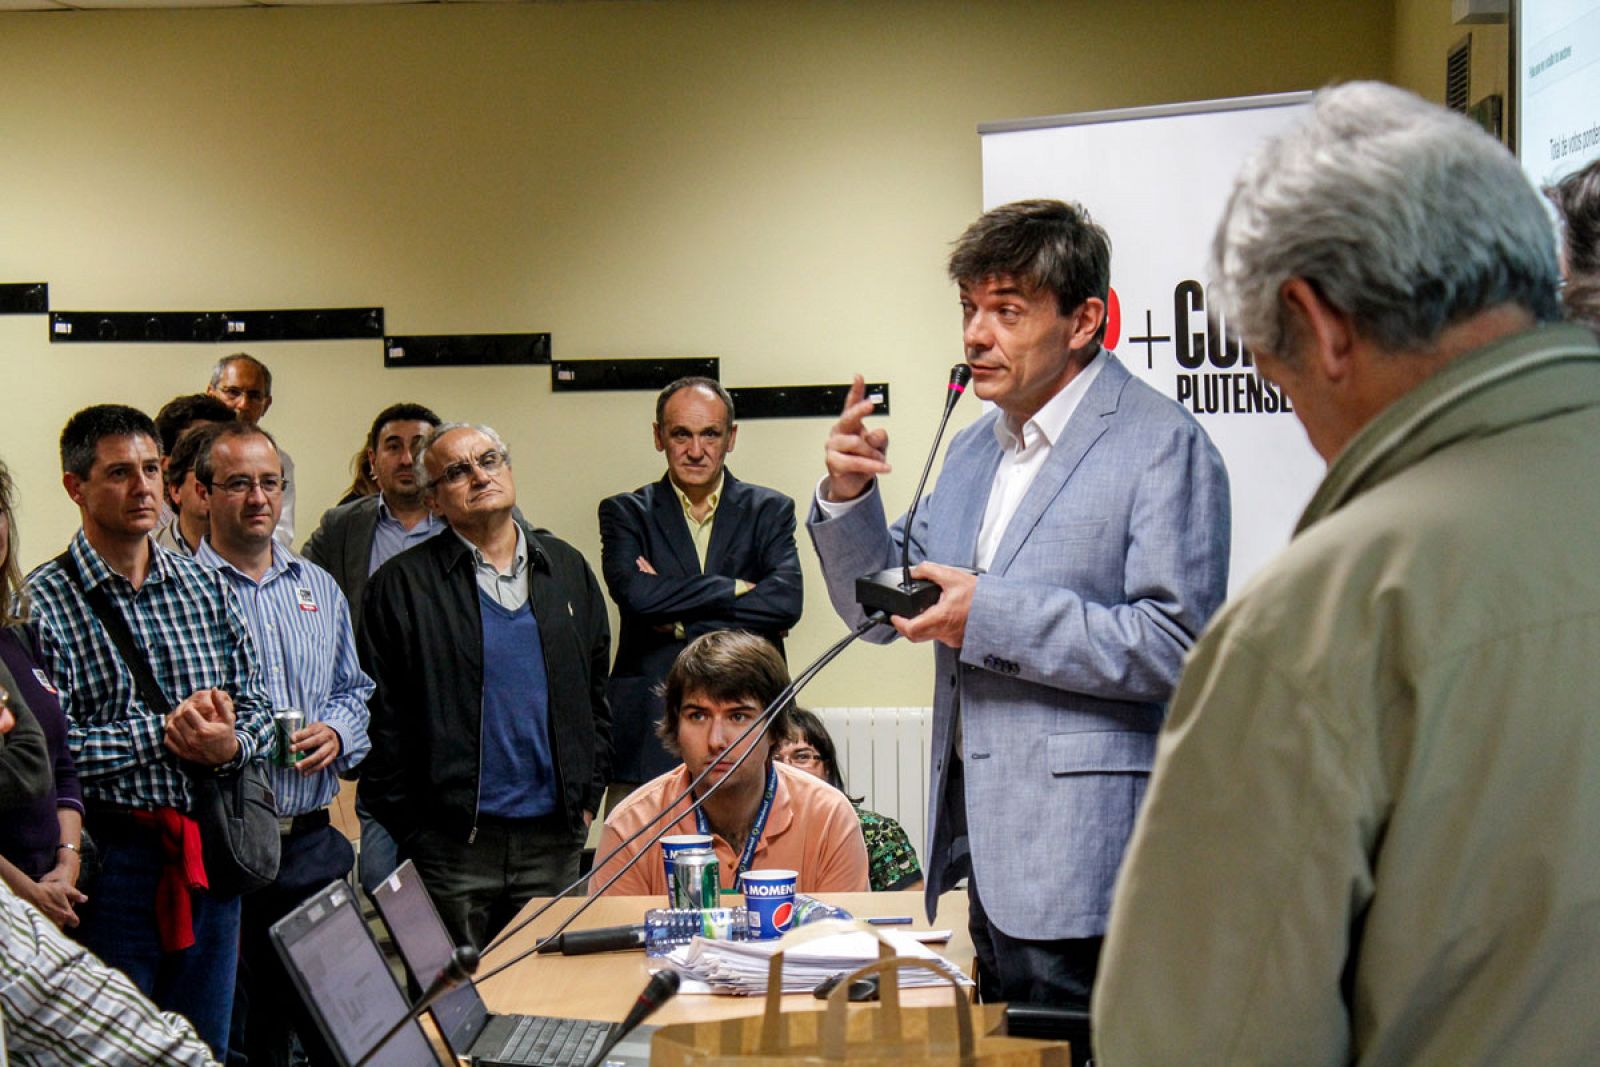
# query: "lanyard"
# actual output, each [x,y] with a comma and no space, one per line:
[757,827]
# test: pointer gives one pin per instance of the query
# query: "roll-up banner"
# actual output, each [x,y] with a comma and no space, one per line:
[1157,179]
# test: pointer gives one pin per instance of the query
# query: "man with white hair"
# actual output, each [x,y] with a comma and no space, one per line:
[1370,834]
[491,735]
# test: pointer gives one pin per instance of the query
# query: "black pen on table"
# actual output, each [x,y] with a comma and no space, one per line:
[890,920]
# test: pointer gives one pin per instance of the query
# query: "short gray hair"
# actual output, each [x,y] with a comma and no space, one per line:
[1405,216]
[419,454]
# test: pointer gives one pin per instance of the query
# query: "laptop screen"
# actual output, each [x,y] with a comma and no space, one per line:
[425,946]
[341,974]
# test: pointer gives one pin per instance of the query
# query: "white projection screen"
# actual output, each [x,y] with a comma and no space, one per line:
[1556,53]
[1157,179]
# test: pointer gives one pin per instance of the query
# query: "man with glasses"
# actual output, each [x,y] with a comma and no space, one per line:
[301,626]
[152,913]
[244,383]
[491,735]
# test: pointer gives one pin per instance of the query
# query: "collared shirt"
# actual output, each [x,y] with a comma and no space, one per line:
[195,637]
[301,625]
[509,590]
[700,529]
[1023,452]
[811,829]
[390,537]
[61,1004]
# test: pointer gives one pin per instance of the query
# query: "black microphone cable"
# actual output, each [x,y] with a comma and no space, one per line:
[756,725]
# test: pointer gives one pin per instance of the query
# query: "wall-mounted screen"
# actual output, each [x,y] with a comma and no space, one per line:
[1557,55]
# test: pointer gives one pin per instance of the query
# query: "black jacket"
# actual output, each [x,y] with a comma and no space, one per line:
[422,642]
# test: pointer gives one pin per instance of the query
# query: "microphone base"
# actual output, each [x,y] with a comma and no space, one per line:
[886,591]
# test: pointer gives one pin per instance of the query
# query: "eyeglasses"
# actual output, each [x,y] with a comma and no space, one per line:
[270,484]
[489,463]
[801,757]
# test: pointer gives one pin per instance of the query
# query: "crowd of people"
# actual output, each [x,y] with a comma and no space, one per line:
[1340,818]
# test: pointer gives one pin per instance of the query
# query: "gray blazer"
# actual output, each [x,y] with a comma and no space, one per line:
[342,546]
[1105,576]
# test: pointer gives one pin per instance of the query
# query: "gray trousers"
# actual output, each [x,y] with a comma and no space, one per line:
[479,888]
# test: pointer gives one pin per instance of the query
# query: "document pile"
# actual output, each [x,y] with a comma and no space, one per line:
[739,968]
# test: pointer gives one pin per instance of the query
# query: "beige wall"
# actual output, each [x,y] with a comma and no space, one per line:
[1423,37]
[772,183]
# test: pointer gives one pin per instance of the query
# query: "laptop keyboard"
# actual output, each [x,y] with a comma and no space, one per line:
[546,1041]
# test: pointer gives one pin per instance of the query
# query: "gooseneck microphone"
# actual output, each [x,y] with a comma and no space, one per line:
[461,966]
[662,987]
[894,591]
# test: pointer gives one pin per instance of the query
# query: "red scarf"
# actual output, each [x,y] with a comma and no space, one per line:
[182,871]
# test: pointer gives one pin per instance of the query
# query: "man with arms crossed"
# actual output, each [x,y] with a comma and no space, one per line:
[766,814]
[491,738]
[151,914]
[695,552]
[301,627]
[1370,837]
[1096,513]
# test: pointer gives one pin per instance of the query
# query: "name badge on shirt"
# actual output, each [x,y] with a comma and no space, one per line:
[307,601]
[44,681]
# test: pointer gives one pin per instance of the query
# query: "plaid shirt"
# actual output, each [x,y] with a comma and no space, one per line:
[195,637]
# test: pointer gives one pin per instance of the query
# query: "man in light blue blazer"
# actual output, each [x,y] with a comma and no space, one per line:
[1096,514]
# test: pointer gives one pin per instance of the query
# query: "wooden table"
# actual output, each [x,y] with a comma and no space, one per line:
[604,986]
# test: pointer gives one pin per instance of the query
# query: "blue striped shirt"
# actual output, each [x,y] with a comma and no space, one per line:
[193,635]
[301,625]
[390,537]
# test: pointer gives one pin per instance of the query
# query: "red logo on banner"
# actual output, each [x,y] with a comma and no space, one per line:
[1113,319]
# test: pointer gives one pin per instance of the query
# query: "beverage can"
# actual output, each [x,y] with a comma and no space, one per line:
[769,898]
[696,879]
[672,844]
[285,724]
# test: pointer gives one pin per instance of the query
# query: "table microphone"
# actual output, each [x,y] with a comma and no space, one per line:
[461,966]
[894,590]
[662,987]
[602,939]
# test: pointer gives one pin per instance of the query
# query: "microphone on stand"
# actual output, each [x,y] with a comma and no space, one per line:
[462,965]
[662,987]
[894,591]
[603,939]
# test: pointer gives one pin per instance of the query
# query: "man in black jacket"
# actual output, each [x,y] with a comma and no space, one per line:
[491,735]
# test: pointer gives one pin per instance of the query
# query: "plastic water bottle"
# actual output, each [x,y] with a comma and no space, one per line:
[810,910]
[667,928]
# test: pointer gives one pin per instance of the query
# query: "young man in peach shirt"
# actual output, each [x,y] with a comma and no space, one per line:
[765,814]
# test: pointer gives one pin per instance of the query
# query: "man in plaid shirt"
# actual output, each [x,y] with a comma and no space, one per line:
[150,912]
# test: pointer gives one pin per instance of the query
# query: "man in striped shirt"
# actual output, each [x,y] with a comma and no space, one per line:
[151,914]
[301,625]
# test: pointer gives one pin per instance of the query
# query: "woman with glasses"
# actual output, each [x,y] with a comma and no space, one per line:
[39,841]
[891,861]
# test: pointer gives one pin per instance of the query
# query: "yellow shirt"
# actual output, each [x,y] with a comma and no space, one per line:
[700,529]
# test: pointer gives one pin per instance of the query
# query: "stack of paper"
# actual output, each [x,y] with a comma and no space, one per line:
[739,968]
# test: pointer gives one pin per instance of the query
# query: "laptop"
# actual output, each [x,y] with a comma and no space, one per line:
[342,977]
[469,1028]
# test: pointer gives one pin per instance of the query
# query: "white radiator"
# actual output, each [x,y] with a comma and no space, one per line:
[883,755]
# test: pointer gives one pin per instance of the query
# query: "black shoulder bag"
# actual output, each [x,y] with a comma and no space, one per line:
[235,809]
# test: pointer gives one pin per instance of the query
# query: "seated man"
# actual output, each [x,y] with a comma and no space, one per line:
[765,814]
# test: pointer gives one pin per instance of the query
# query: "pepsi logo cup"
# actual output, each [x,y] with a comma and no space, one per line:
[769,898]
[679,843]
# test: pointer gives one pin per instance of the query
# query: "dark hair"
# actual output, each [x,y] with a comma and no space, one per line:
[183,457]
[13,593]
[1043,244]
[1577,197]
[693,382]
[241,357]
[182,412]
[807,727]
[725,665]
[206,439]
[81,436]
[402,412]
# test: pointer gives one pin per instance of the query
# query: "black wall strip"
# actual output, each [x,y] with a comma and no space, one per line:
[589,375]
[24,298]
[802,401]
[216,327]
[466,350]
